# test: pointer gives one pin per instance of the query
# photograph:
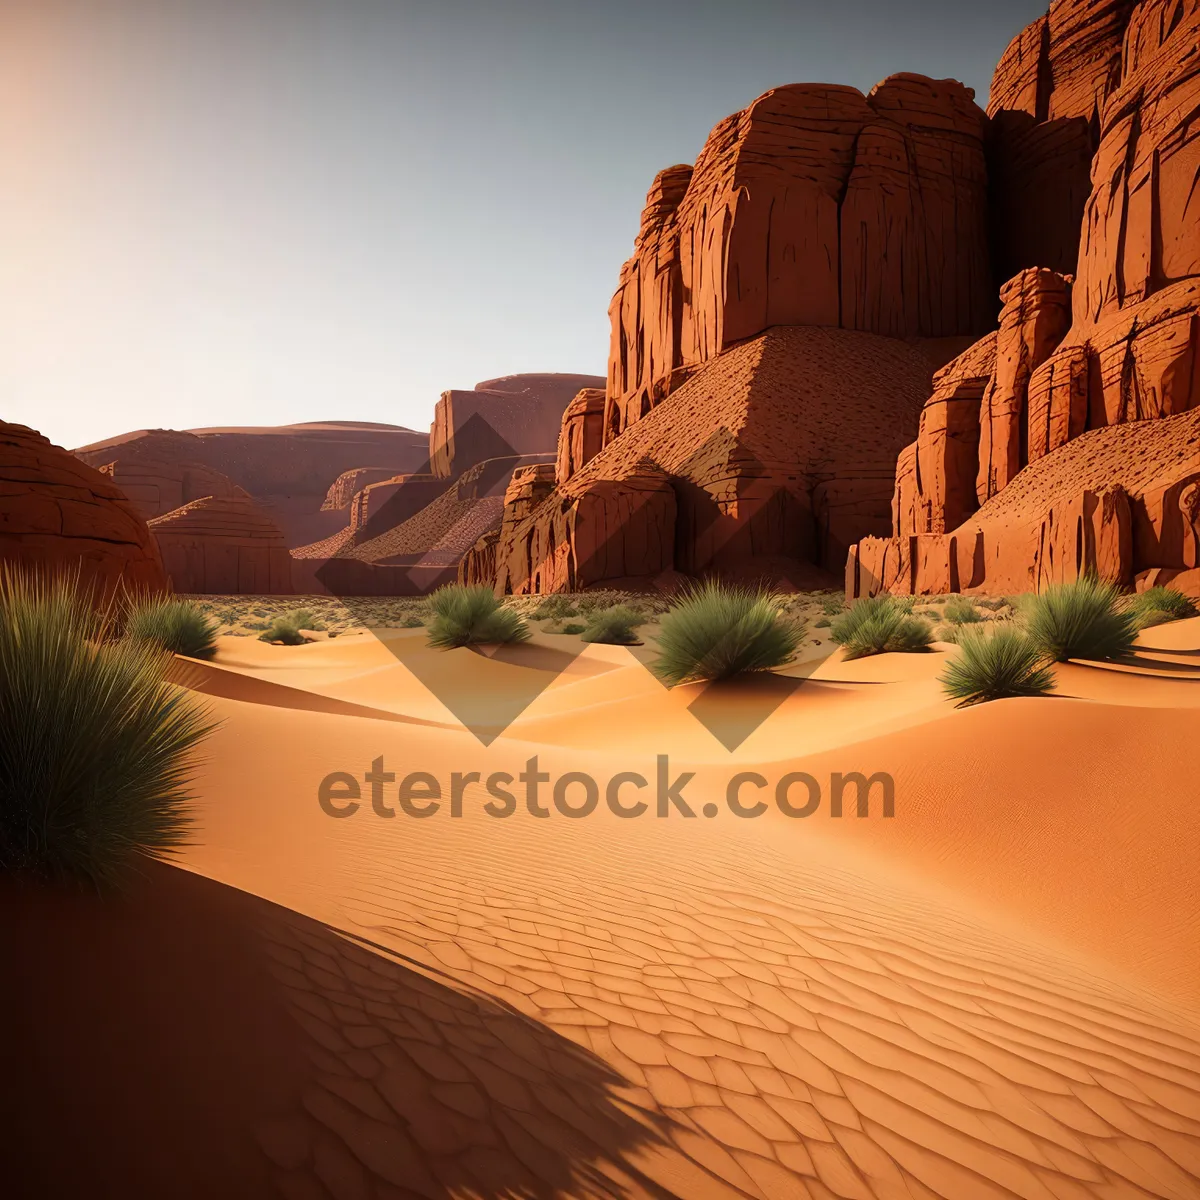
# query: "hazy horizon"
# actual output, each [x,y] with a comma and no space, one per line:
[261,212]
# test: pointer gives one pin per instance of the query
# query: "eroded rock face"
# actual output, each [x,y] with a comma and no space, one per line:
[58,514]
[814,206]
[156,486]
[1129,356]
[1048,97]
[517,414]
[349,483]
[582,434]
[223,545]
[1121,501]
[771,459]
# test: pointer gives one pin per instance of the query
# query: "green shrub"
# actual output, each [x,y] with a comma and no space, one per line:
[97,742]
[823,623]
[715,632]
[616,626]
[574,627]
[947,633]
[960,610]
[412,623]
[881,625]
[1085,619]
[175,625]
[554,608]
[305,618]
[467,616]
[833,606]
[1158,605]
[995,665]
[285,630]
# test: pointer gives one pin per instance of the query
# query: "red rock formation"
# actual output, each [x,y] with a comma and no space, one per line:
[1130,355]
[936,475]
[223,546]
[1034,320]
[813,206]
[344,488]
[1122,501]
[57,514]
[776,455]
[518,414]
[156,486]
[279,460]
[1047,99]
[582,434]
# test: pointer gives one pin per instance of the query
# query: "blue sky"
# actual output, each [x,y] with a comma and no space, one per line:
[263,211]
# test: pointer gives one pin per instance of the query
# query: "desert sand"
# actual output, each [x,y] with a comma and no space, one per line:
[993,993]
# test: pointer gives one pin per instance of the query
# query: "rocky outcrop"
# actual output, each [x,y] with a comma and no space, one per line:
[517,414]
[936,474]
[1128,357]
[1034,320]
[816,206]
[1047,102]
[59,515]
[156,486]
[772,459]
[223,545]
[581,436]
[349,483]
[1123,502]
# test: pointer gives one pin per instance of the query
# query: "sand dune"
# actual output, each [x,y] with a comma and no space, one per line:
[993,993]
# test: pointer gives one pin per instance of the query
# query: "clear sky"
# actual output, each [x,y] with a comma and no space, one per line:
[223,212]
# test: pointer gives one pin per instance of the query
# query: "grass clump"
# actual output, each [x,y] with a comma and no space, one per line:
[1085,619]
[960,610]
[555,608]
[97,742]
[948,633]
[833,606]
[881,625]
[715,632]
[574,627]
[616,626]
[823,623]
[996,665]
[469,616]
[283,630]
[179,626]
[1158,605]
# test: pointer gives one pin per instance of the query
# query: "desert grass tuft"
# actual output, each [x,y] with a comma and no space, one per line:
[1158,605]
[97,743]
[179,626]
[1085,619]
[881,625]
[959,610]
[714,632]
[996,665]
[468,616]
[616,626]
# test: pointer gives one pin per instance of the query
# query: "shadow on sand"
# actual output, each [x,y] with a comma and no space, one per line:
[186,1039]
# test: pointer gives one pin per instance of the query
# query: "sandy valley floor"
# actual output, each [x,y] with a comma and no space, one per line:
[993,993]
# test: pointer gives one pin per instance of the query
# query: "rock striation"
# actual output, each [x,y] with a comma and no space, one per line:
[516,414]
[58,514]
[814,206]
[1113,348]
[770,460]
[223,545]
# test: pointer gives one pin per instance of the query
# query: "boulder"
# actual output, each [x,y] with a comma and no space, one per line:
[58,514]
[223,545]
